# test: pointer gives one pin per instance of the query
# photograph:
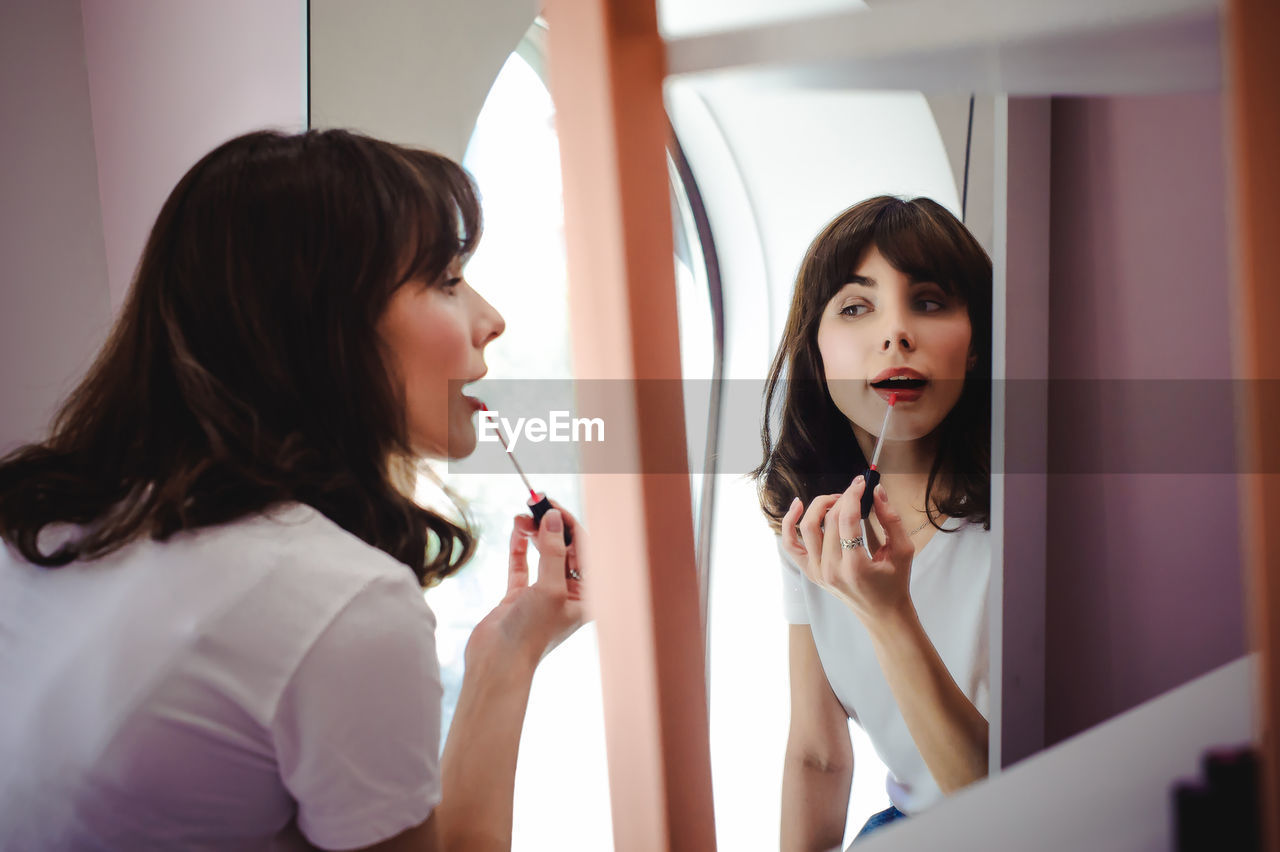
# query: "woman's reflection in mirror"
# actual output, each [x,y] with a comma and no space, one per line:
[893,296]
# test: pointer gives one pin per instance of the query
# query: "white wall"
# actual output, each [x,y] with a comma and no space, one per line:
[695,17]
[410,71]
[1109,789]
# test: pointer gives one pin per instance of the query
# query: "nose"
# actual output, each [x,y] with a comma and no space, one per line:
[490,325]
[904,342]
[898,332]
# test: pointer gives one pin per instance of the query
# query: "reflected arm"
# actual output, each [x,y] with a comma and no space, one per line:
[817,771]
[947,728]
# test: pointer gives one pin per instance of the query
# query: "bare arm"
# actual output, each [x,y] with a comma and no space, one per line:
[478,766]
[947,729]
[818,768]
[479,763]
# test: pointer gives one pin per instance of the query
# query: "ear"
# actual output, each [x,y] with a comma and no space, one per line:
[972,362]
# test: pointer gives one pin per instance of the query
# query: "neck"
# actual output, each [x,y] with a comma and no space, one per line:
[900,457]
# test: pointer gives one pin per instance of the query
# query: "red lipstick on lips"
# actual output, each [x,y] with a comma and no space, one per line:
[907,384]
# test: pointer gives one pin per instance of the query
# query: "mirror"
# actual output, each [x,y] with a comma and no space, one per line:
[1078,194]
[775,165]
[1075,199]
[1119,578]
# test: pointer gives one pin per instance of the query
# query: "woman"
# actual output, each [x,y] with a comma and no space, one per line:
[892,296]
[212,628]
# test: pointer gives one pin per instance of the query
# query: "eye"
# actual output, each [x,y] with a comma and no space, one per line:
[937,305]
[845,311]
[451,284]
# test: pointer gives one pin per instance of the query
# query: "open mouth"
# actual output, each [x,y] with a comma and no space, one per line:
[900,383]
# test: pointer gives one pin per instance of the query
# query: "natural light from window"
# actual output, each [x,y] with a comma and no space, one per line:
[562,790]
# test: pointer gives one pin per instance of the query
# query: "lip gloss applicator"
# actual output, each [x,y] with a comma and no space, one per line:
[871,476]
[538,503]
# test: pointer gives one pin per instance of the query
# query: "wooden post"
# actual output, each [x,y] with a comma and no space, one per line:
[607,65]
[1253,79]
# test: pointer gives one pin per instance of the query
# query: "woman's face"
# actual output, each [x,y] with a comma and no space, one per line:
[436,334]
[882,323]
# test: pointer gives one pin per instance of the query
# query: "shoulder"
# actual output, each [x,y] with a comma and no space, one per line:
[967,535]
[789,564]
[967,554]
[357,727]
[290,572]
[962,550]
[966,530]
[296,540]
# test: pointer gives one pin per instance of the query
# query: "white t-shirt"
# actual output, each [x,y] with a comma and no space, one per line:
[204,692]
[949,580]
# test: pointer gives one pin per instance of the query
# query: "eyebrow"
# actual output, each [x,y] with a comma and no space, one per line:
[868,281]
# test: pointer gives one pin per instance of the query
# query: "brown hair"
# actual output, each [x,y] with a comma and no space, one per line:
[245,369]
[815,452]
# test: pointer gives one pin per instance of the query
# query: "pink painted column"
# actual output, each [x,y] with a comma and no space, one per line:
[1254,103]
[607,66]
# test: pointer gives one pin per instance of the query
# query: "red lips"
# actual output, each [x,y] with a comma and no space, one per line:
[899,371]
[907,383]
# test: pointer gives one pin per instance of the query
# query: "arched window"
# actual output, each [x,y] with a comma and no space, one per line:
[562,786]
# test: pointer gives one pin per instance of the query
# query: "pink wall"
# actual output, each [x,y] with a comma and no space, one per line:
[105,105]
[54,307]
[168,81]
[1144,568]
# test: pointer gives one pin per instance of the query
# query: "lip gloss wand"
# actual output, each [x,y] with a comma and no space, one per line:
[871,476]
[538,503]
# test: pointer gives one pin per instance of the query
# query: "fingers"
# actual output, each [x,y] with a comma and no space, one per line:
[551,550]
[811,533]
[849,513]
[573,575]
[524,523]
[518,560]
[831,539]
[574,567]
[575,528]
[895,534]
[791,542]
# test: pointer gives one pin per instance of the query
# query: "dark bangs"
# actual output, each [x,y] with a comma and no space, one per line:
[442,218]
[918,237]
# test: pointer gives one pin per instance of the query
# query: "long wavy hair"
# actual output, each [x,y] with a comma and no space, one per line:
[815,451]
[245,369]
